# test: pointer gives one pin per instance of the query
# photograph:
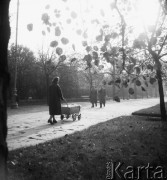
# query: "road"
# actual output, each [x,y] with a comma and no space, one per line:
[28,125]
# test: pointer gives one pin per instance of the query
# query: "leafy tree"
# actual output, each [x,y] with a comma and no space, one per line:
[69,80]
[116,44]
[116,49]
[153,40]
[76,62]
[91,68]
[133,64]
[50,64]
[55,26]
[26,70]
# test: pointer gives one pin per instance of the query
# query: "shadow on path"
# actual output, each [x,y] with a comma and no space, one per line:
[37,129]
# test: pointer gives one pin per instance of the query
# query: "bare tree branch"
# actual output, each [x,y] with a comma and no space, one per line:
[162,45]
[163,55]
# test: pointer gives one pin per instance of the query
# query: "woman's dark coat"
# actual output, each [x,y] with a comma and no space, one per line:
[93,96]
[55,97]
[102,95]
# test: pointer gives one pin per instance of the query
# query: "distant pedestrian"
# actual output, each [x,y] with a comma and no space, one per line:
[93,96]
[54,100]
[17,99]
[102,96]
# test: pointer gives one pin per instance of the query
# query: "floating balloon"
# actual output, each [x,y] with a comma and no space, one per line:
[152,80]
[63,57]
[57,31]
[95,55]
[88,48]
[64,40]
[88,58]
[138,83]
[53,43]
[131,91]
[45,18]
[30,27]
[59,51]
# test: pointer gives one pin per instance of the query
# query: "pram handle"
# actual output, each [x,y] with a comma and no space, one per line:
[66,102]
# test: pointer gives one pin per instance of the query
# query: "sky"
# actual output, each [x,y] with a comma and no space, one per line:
[30,11]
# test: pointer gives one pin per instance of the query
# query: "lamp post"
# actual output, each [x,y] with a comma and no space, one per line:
[14,104]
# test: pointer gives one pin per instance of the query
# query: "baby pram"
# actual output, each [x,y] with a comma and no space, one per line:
[73,110]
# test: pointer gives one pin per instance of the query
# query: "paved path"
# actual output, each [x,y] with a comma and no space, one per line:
[28,124]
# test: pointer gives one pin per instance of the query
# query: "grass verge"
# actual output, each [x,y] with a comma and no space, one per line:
[131,140]
[153,111]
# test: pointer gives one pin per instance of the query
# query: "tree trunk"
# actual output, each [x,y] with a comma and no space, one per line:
[160,85]
[161,95]
[4,81]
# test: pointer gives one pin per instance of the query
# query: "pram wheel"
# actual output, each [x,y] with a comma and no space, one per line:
[79,117]
[67,116]
[74,117]
[62,117]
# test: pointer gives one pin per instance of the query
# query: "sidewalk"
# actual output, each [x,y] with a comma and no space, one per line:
[28,124]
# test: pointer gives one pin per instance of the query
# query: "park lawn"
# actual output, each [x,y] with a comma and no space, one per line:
[132,140]
[153,111]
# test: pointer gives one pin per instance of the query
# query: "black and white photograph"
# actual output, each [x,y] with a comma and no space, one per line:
[83,89]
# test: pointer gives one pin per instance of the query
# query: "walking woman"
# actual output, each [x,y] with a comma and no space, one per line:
[55,97]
